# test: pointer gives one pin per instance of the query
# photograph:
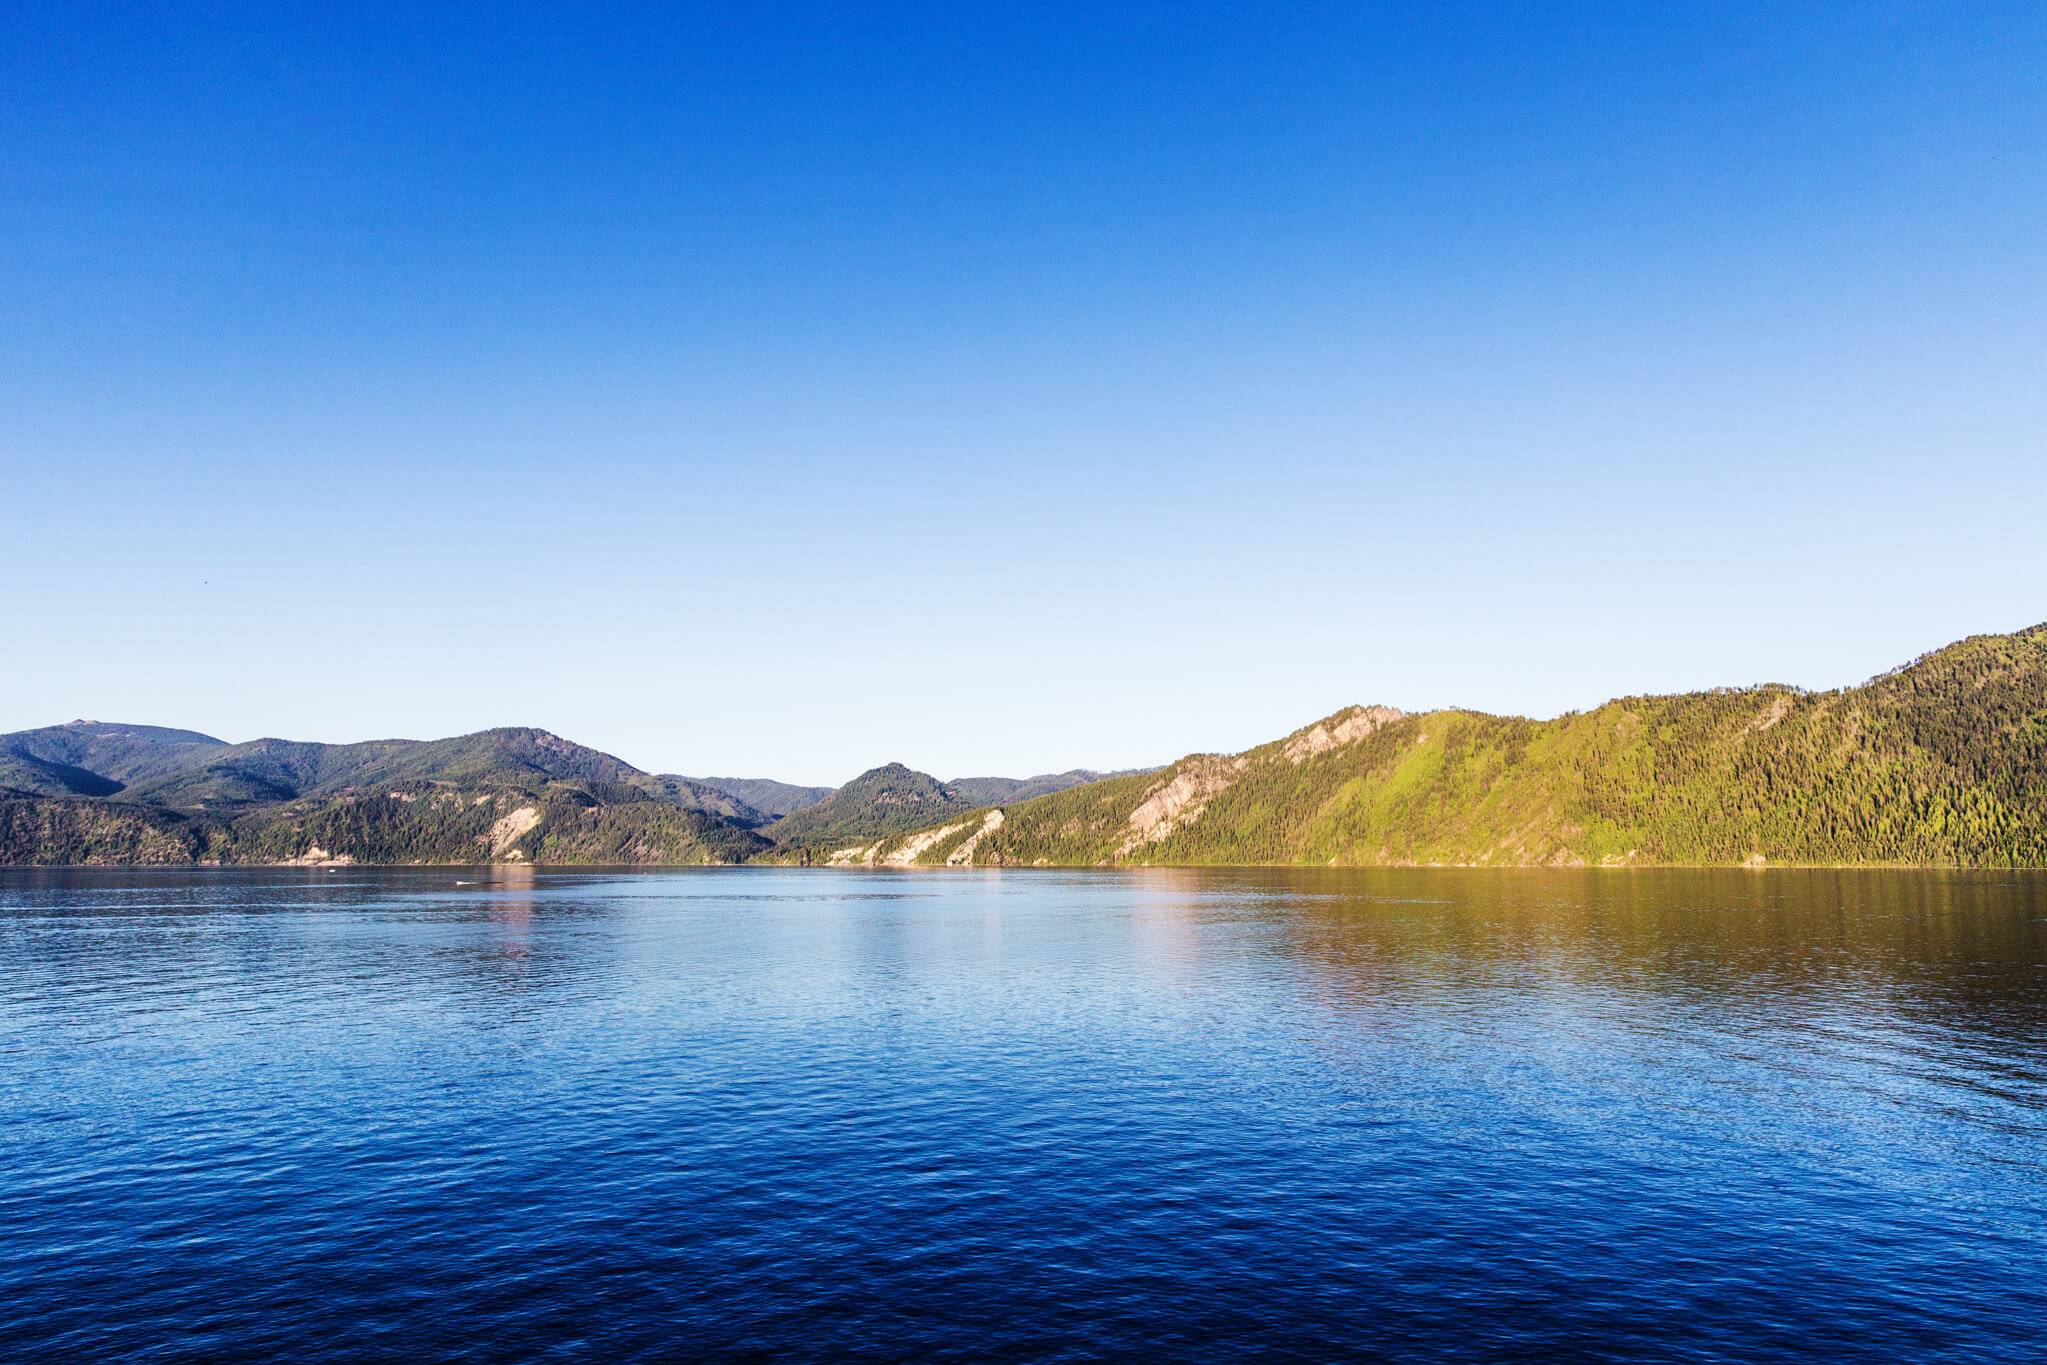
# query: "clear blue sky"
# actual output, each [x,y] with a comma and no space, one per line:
[783,390]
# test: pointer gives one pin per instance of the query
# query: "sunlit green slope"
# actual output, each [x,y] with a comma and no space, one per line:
[1943,761]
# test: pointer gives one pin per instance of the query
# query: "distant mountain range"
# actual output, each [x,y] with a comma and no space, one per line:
[96,792]
[90,792]
[1943,761]
[771,798]
[892,799]
[874,802]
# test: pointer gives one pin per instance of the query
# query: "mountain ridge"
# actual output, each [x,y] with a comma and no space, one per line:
[773,799]
[95,758]
[884,800]
[1940,761]
[517,794]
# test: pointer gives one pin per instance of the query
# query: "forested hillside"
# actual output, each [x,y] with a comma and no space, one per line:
[989,791]
[1941,762]
[881,801]
[517,795]
[89,758]
[771,798]
[894,799]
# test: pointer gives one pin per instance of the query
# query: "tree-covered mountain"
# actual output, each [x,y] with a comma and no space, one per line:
[91,758]
[771,798]
[881,801]
[893,799]
[559,823]
[276,769]
[510,794]
[993,791]
[1943,761]
[873,804]
[140,793]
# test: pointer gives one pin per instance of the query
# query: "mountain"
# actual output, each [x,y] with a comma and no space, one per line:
[278,769]
[993,791]
[771,798]
[509,794]
[882,801]
[93,758]
[61,832]
[893,799]
[1941,762]
[269,770]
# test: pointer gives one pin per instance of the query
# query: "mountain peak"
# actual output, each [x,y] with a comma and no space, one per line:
[884,800]
[95,758]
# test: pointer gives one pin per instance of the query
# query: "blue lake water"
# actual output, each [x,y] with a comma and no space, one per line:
[1429,1115]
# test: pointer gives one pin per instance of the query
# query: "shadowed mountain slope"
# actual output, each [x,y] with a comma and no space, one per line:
[280,769]
[95,758]
[771,798]
[499,795]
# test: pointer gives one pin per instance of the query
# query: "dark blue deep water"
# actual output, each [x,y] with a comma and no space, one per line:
[1430,1115]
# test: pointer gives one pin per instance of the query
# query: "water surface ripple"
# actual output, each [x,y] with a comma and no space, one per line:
[1430,1115]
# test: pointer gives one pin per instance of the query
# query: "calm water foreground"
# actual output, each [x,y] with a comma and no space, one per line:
[1430,1115]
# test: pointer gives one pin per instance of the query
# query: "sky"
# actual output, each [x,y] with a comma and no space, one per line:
[786,389]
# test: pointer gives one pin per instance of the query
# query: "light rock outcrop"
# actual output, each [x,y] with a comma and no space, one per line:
[963,856]
[1178,801]
[509,829]
[1347,727]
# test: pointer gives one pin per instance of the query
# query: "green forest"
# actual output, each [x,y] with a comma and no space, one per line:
[1942,762]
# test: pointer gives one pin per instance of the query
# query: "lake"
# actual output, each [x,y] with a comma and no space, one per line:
[807,1114]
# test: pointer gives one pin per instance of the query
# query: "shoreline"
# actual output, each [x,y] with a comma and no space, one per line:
[940,868]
